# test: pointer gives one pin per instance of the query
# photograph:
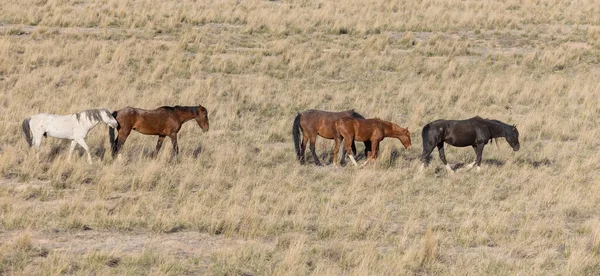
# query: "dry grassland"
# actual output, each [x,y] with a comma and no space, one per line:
[236,202]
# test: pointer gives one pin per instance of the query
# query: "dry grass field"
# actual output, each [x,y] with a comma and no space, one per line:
[236,202]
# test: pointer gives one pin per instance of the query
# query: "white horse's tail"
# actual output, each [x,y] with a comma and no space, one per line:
[27,131]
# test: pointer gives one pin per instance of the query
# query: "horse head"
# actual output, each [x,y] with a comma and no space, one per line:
[403,135]
[108,118]
[202,118]
[512,137]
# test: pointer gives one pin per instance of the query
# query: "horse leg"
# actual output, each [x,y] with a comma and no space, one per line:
[368,148]
[161,138]
[73,144]
[175,150]
[426,156]
[121,138]
[336,149]
[343,161]
[374,152]
[37,141]
[303,148]
[470,166]
[313,140]
[440,147]
[479,153]
[82,143]
[348,141]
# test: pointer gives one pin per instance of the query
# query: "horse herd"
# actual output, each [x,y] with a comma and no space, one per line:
[347,127]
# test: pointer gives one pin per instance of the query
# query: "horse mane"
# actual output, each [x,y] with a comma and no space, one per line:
[93,114]
[506,128]
[194,109]
[174,108]
[498,123]
[355,114]
[169,108]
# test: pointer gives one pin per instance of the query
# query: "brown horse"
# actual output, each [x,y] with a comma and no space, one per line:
[372,130]
[163,121]
[322,123]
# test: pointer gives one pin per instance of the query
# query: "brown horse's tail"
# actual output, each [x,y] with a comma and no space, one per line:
[296,135]
[111,135]
[27,131]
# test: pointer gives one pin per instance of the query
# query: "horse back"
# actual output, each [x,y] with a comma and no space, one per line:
[459,133]
[322,122]
[360,129]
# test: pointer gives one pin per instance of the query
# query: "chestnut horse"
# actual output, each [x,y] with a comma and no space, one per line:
[475,132]
[371,130]
[318,122]
[163,121]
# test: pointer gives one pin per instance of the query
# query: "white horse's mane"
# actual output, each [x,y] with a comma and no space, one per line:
[93,115]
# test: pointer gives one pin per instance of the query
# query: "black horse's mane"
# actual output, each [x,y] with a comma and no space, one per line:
[499,123]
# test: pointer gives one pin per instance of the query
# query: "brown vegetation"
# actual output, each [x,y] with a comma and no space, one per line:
[236,201]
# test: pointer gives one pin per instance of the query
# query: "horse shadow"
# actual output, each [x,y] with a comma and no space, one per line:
[544,162]
[99,152]
[55,151]
[395,156]
[399,154]
[62,148]
[486,162]
[199,149]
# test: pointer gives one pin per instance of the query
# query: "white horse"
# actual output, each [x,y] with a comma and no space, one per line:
[74,127]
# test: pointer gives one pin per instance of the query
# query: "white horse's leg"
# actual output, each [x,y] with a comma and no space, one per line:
[37,141]
[82,143]
[471,165]
[73,144]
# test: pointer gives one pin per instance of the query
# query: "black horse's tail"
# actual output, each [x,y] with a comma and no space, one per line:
[425,133]
[111,135]
[427,147]
[296,135]
[27,131]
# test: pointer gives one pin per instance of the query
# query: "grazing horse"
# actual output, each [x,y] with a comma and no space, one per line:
[371,130]
[475,132]
[74,127]
[318,122]
[163,121]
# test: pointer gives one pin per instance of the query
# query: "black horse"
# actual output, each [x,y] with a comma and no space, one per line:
[475,132]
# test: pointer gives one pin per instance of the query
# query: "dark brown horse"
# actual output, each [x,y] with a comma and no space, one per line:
[318,122]
[371,130]
[474,132]
[164,121]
